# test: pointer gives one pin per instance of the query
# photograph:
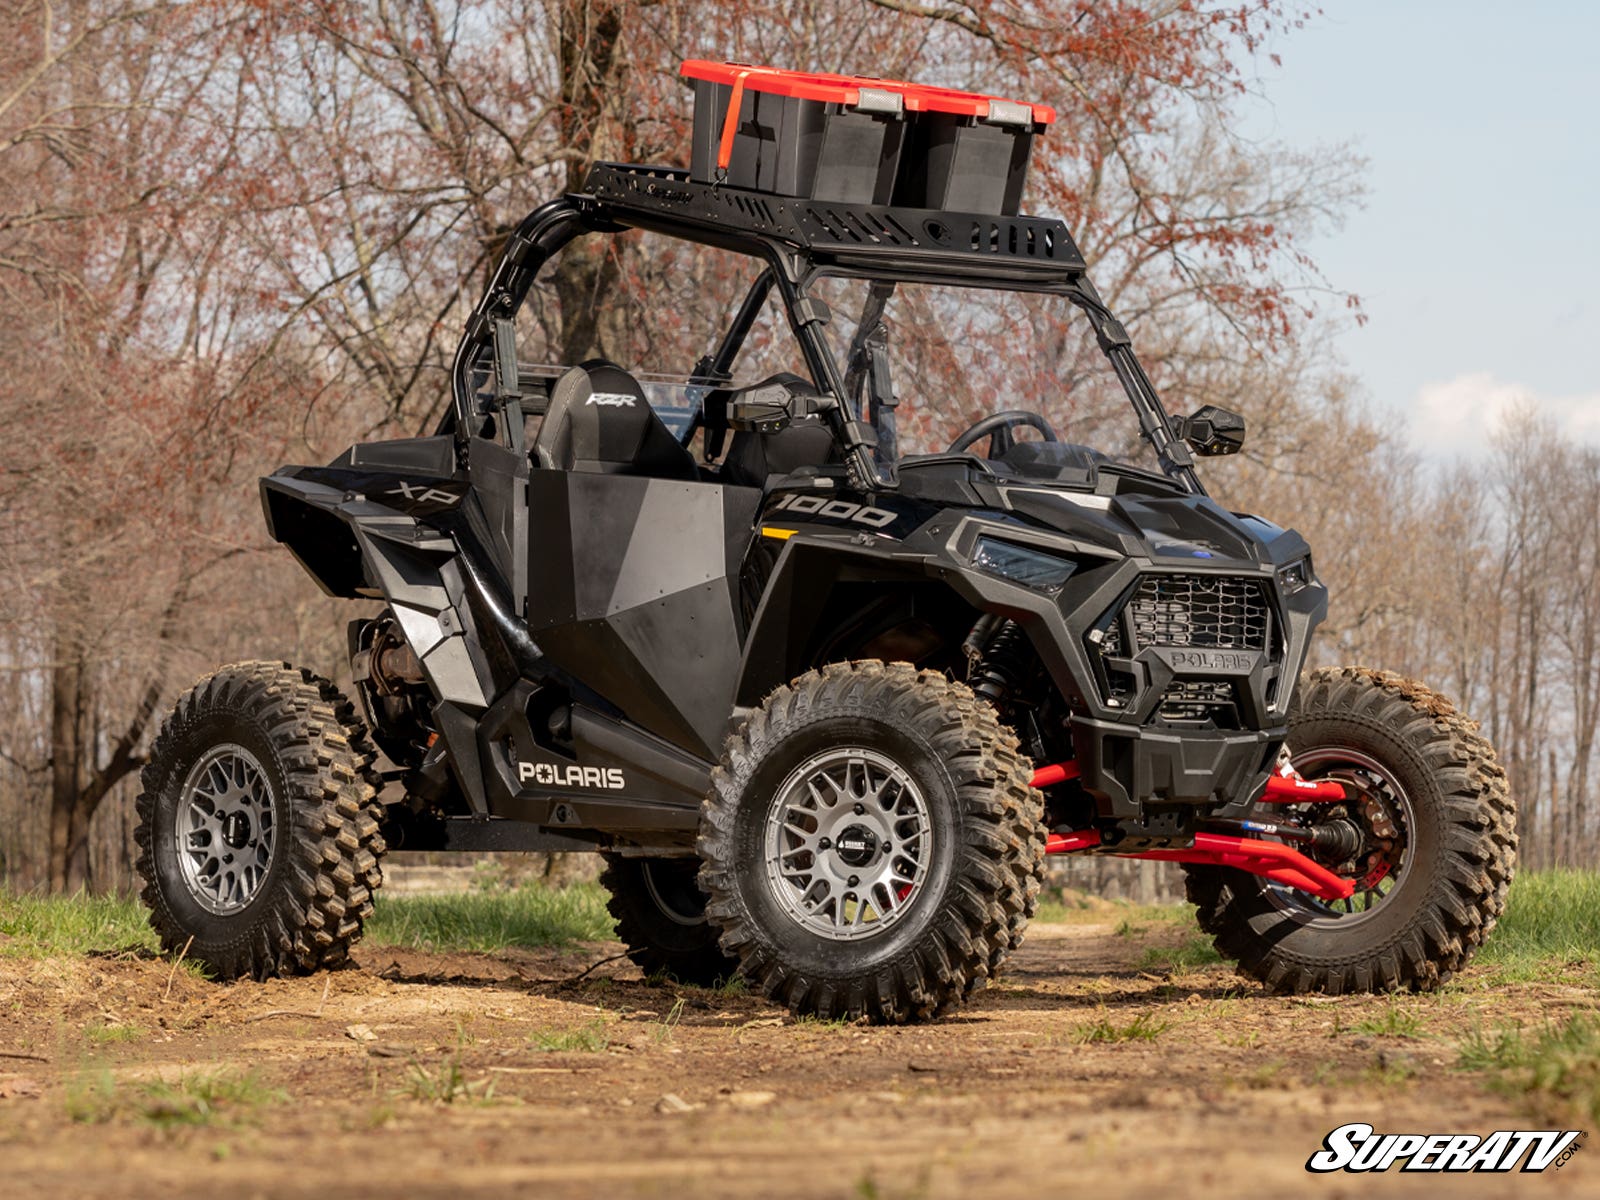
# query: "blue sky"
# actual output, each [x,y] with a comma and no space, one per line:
[1477,254]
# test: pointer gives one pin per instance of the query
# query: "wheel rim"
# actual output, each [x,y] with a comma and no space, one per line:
[848,845]
[1383,811]
[225,829]
[678,898]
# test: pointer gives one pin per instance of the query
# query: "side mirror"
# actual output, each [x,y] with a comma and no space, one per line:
[771,405]
[1212,431]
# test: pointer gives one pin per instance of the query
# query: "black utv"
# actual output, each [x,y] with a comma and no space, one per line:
[823,707]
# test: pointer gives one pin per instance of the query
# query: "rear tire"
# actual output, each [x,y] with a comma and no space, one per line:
[661,917]
[1457,863]
[258,824]
[871,845]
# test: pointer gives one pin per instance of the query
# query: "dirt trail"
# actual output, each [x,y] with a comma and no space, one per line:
[718,1096]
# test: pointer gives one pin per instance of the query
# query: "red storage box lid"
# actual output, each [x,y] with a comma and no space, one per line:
[847,90]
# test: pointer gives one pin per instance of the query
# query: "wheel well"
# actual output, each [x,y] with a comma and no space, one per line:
[919,623]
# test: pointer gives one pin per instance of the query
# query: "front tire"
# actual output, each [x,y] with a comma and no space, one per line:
[871,844]
[258,824]
[1441,848]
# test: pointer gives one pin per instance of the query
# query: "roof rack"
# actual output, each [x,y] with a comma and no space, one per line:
[867,238]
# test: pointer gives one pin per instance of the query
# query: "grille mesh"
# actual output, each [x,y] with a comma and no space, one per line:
[1215,612]
[1212,611]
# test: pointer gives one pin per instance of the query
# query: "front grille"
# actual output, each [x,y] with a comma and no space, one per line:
[1216,612]
[1198,700]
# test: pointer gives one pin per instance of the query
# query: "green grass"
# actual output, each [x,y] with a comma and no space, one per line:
[446,1083]
[1552,920]
[199,1098]
[489,921]
[1554,1069]
[590,1039]
[1394,1021]
[31,926]
[1194,951]
[1143,1028]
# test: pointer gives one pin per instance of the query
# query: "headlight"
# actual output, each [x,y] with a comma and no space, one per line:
[1021,564]
[1295,577]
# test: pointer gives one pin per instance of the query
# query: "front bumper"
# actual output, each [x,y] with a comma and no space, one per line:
[1128,768]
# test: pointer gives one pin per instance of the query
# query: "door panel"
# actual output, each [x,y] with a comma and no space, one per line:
[629,591]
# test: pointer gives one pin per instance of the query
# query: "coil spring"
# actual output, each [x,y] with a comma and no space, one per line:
[1003,665]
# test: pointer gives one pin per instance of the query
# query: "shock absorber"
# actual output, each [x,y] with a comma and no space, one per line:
[997,655]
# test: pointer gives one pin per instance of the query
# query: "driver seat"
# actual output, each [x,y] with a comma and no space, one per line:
[599,422]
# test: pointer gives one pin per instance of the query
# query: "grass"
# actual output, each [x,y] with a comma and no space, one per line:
[1143,1028]
[490,921]
[34,926]
[31,926]
[1554,1069]
[198,1098]
[589,1039]
[446,1083]
[1552,920]
[1194,951]
[1393,1022]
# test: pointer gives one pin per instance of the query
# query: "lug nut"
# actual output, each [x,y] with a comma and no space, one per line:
[825,844]
[860,808]
[888,846]
[854,879]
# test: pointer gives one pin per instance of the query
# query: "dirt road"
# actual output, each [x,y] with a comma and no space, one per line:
[1081,1073]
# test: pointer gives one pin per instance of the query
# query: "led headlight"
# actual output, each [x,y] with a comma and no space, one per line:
[1022,564]
[1295,577]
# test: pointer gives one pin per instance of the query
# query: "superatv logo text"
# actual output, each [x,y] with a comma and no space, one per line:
[570,775]
[841,510]
[1357,1147]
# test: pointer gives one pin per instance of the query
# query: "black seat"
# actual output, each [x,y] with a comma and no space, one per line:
[753,458]
[599,422]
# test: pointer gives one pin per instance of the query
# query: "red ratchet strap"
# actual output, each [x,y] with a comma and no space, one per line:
[730,123]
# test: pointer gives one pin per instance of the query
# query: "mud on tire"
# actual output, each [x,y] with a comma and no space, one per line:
[660,913]
[975,878]
[1460,853]
[267,773]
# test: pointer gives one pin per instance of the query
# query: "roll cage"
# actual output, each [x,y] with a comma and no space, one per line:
[798,240]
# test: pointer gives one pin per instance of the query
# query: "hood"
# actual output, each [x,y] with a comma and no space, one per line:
[1168,529]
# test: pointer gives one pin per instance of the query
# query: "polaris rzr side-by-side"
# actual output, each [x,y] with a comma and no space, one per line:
[823,706]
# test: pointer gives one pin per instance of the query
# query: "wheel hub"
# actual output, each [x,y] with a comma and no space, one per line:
[857,846]
[225,830]
[848,843]
[236,830]
[1365,840]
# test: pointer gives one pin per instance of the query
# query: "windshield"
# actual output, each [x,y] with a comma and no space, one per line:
[958,355]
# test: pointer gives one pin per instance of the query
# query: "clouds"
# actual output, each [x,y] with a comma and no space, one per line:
[1458,415]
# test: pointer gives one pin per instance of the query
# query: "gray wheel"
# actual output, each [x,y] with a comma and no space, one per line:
[225,829]
[872,846]
[258,823]
[849,841]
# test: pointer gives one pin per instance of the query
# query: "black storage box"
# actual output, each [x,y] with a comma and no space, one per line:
[798,147]
[860,141]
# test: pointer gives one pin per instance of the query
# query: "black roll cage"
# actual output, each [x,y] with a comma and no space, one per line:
[800,240]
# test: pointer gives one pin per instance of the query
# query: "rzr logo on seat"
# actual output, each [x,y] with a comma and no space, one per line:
[839,510]
[611,399]
[570,775]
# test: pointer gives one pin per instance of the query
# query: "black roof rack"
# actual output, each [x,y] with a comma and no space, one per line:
[872,239]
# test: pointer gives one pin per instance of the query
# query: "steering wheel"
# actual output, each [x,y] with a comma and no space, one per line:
[997,429]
